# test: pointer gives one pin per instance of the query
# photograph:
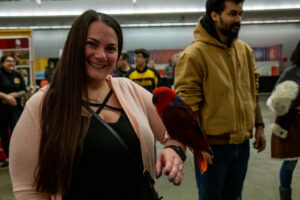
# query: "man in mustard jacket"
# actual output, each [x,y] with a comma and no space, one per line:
[217,77]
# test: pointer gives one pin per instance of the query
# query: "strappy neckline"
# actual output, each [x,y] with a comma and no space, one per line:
[103,104]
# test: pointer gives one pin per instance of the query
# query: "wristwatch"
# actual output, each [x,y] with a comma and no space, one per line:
[259,124]
[179,151]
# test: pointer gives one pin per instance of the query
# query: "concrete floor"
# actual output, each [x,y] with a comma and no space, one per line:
[261,182]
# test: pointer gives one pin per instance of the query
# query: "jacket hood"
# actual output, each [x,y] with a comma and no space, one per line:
[206,32]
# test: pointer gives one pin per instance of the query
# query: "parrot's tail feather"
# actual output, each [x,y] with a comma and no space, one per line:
[202,164]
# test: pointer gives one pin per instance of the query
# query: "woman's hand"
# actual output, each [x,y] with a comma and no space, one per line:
[174,167]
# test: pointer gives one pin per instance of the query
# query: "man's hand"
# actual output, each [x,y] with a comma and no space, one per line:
[260,140]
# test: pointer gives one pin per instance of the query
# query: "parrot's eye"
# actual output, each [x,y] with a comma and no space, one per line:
[154,99]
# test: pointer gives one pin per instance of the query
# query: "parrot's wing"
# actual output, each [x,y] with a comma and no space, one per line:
[181,125]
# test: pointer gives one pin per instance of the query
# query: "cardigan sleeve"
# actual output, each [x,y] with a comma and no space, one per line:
[155,121]
[24,149]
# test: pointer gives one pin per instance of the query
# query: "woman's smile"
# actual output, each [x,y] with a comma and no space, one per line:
[94,64]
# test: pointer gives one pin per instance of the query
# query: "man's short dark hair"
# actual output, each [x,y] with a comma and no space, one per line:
[218,5]
[125,56]
[142,51]
[295,57]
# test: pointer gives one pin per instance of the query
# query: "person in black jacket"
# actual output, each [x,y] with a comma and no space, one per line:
[12,88]
[123,66]
[49,71]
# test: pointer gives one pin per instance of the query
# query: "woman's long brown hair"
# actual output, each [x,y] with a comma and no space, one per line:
[62,126]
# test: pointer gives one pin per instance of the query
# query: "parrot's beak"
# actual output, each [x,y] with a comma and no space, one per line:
[154,99]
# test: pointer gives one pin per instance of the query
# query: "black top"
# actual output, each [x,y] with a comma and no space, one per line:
[11,82]
[104,168]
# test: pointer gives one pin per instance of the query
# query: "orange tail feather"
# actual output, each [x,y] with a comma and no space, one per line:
[202,164]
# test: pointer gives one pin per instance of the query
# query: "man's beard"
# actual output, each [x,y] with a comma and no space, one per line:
[231,31]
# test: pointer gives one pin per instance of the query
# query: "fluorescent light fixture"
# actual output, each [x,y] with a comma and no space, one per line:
[36,27]
[49,13]
[144,25]
[272,21]
[158,25]
[40,14]
[271,7]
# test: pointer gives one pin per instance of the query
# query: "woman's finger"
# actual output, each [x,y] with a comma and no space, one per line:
[158,166]
[179,176]
[175,168]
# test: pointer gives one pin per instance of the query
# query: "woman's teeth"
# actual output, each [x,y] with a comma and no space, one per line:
[95,65]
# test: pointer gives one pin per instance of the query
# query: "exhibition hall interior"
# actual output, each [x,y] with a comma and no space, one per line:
[34,32]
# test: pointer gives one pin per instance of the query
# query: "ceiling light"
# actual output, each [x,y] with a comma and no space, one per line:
[145,25]
[31,13]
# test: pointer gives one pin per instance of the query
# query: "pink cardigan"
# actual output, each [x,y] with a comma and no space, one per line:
[24,146]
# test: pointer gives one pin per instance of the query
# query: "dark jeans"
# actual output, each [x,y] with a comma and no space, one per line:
[224,179]
[8,119]
[286,173]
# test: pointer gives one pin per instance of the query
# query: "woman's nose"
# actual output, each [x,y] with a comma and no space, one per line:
[100,54]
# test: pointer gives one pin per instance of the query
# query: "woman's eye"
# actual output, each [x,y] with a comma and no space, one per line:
[111,49]
[91,44]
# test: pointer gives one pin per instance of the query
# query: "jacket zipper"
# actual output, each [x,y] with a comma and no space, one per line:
[236,93]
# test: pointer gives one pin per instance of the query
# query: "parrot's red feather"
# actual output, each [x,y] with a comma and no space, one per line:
[164,96]
[168,95]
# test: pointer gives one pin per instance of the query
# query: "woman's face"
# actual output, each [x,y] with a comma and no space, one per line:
[101,51]
[9,64]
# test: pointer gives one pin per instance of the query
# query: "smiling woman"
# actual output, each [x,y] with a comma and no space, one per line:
[69,133]
[101,52]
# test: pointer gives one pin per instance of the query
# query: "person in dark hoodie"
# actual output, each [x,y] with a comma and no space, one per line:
[216,75]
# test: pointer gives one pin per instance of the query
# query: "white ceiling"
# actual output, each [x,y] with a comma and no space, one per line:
[63,12]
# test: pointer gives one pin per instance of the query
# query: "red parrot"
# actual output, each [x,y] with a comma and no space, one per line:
[181,124]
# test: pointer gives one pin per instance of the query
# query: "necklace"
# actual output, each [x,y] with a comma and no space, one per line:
[97,100]
[98,92]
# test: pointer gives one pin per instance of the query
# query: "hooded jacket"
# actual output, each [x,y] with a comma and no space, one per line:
[220,83]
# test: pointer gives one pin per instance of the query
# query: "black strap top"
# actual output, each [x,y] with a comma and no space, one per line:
[104,170]
[104,104]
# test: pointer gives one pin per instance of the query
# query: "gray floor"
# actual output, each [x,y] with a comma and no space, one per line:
[261,182]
